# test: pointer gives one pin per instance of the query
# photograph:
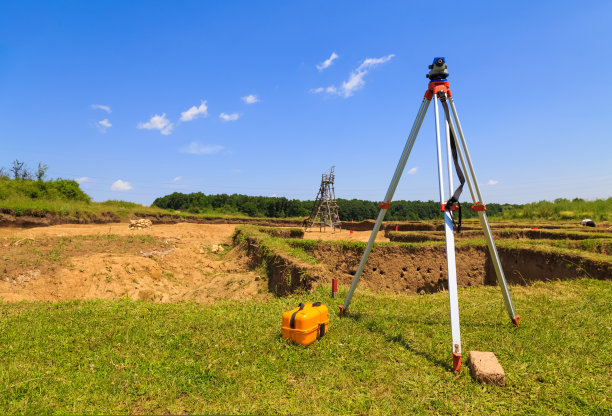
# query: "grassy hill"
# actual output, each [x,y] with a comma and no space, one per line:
[59,197]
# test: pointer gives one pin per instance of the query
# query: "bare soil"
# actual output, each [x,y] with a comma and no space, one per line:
[165,263]
[403,269]
[197,262]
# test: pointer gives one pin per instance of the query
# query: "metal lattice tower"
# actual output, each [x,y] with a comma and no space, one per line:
[325,209]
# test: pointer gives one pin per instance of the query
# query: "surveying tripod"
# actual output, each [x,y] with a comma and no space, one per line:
[439,90]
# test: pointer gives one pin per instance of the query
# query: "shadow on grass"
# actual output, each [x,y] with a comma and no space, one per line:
[411,321]
[375,328]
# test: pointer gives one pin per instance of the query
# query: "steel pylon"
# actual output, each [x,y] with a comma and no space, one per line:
[325,209]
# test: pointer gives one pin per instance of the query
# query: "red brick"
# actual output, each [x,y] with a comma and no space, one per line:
[485,368]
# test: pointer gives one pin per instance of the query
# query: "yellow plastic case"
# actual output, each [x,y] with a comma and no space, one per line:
[306,323]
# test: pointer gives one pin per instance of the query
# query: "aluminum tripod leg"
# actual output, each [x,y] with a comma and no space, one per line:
[451,268]
[482,216]
[388,197]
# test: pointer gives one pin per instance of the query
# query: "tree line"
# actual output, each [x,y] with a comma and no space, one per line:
[280,207]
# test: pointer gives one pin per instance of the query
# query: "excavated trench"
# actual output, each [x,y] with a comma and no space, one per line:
[403,268]
[422,269]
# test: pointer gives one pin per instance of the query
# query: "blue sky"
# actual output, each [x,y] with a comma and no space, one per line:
[141,99]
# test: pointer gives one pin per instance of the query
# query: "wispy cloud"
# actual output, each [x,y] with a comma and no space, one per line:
[229,117]
[121,186]
[178,178]
[83,179]
[101,107]
[250,99]
[195,148]
[328,62]
[195,112]
[492,182]
[158,122]
[102,125]
[412,171]
[355,80]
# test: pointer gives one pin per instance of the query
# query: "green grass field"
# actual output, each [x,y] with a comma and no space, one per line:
[390,356]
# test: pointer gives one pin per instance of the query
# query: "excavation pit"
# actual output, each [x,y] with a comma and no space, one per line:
[420,268]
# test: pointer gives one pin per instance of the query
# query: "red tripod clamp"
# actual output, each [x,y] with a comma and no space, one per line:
[435,87]
[453,207]
[479,206]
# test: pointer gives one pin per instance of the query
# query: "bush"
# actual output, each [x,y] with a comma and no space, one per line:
[61,189]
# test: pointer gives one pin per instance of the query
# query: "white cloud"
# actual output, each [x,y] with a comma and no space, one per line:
[250,99]
[370,62]
[412,171]
[101,107]
[328,62]
[158,122]
[102,125]
[330,90]
[229,117]
[83,179]
[120,185]
[195,148]
[178,178]
[493,182]
[355,80]
[195,112]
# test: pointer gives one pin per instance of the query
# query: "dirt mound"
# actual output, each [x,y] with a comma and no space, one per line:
[139,224]
[9,219]
[176,219]
[283,232]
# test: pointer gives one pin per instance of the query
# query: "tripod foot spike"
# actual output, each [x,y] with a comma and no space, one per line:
[515,320]
[341,310]
[456,361]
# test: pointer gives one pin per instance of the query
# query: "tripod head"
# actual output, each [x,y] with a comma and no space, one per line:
[438,71]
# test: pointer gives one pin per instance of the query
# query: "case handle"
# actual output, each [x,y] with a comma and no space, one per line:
[292,321]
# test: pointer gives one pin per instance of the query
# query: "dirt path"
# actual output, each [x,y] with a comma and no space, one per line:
[165,263]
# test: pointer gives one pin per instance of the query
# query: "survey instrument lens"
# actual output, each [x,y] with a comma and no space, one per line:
[437,70]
